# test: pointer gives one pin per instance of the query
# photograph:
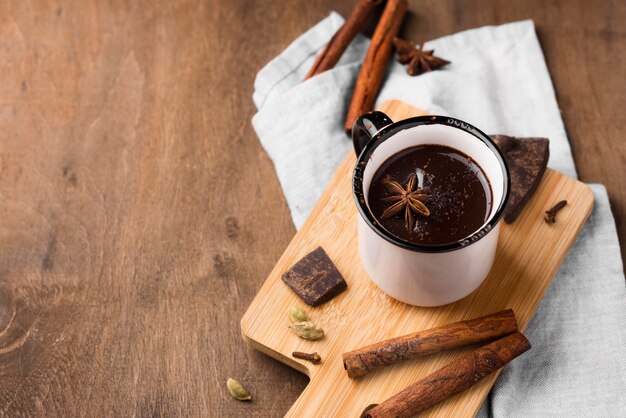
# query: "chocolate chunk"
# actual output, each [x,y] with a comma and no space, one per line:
[527,159]
[315,278]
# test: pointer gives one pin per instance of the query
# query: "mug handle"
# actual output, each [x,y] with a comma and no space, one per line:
[366,126]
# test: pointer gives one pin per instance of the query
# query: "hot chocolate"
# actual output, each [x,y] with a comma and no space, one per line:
[430,194]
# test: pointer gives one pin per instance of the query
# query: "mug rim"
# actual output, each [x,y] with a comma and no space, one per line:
[387,133]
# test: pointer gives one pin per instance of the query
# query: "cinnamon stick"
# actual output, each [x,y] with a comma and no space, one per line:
[364,360]
[454,378]
[331,53]
[375,64]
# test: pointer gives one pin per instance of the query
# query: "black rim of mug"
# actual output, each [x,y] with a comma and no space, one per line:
[388,132]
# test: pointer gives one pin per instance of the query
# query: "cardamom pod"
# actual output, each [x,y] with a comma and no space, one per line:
[237,390]
[307,330]
[297,314]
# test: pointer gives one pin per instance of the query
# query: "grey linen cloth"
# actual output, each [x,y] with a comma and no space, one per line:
[498,81]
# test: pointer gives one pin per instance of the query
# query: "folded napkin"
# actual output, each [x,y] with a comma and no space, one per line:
[498,80]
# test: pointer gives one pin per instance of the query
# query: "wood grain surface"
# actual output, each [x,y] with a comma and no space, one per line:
[139,214]
[363,314]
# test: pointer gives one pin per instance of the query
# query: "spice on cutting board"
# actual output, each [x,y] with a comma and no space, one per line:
[307,330]
[372,357]
[454,378]
[312,357]
[302,326]
[550,217]
[296,314]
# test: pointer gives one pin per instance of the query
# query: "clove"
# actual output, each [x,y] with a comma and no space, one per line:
[551,213]
[312,357]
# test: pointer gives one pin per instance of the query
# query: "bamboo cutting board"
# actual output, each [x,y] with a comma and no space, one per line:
[528,256]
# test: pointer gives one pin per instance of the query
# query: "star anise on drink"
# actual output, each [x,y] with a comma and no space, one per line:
[419,61]
[408,199]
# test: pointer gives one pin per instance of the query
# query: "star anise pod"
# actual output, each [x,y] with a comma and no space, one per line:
[419,61]
[406,198]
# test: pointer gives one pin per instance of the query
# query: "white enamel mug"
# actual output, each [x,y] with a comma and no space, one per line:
[418,274]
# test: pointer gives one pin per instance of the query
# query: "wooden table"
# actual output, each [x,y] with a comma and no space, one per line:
[139,214]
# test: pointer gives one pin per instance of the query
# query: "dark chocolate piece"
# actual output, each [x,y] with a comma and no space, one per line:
[315,278]
[527,159]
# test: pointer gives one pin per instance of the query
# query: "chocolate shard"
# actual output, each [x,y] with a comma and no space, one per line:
[315,278]
[527,159]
